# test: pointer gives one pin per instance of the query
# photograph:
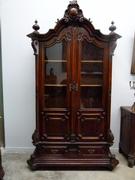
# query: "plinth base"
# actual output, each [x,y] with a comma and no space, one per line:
[72,162]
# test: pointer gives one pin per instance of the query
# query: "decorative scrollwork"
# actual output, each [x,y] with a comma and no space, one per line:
[34,45]
[80,36]
[44,137]
[73,13]
[112,47]
[110,138]
[68,36]
[72,137]
[35,137]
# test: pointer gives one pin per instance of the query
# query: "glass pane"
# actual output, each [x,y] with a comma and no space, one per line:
[55,97]
[92,67]
[91,76]
[91,73]
[55,52]
[91,52]
[91,97]
[88,79]
[55,81]
[55,73]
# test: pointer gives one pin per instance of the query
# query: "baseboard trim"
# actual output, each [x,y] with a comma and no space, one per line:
[17,150]
[114,150]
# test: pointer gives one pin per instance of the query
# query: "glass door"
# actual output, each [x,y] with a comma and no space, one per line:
[55,83]
[91,83]
[90,117]
[56,91]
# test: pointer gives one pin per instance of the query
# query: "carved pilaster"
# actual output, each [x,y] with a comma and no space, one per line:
[35,47]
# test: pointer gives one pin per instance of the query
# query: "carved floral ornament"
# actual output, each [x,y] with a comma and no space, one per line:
[74,16]
[73,12]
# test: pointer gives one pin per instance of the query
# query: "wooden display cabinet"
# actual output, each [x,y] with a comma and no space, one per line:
[73,94]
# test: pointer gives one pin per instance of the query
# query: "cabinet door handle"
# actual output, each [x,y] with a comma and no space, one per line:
[73,86]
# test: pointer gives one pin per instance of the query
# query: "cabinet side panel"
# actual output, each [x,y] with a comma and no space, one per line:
[125,131]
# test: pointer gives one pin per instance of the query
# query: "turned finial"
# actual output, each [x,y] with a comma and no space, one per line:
[36,26]
[112,28]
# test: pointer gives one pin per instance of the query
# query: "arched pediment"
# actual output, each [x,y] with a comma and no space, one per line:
[73,17]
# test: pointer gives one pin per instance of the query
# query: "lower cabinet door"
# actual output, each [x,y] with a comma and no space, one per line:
[56,125]
[90,125]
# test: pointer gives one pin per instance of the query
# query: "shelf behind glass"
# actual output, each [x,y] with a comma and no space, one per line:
[55,96]
[93,78]
[55,85]
[91,85]
[93,68]
[55,72]
[91,73]
[91,61]
[91,97]
[55,60]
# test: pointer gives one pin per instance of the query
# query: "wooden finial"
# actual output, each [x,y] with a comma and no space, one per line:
[112,28]
[36,26]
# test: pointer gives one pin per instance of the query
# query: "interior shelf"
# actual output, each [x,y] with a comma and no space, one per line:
[55,85]
[91,85]
[92,61]
[52,60]
[91,73]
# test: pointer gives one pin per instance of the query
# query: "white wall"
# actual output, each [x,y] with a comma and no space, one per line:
[18,61]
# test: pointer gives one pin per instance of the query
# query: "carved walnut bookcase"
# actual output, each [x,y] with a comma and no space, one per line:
[73,94]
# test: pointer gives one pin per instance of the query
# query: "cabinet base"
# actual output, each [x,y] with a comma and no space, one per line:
[72,162]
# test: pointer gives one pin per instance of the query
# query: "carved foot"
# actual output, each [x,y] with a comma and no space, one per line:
[113,162]
[31,164]
[131,162]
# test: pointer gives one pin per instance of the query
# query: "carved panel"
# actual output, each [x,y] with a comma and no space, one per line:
[56,125]
[91,125]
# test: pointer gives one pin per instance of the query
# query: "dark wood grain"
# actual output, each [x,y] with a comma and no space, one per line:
[127,134]
[73,110]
